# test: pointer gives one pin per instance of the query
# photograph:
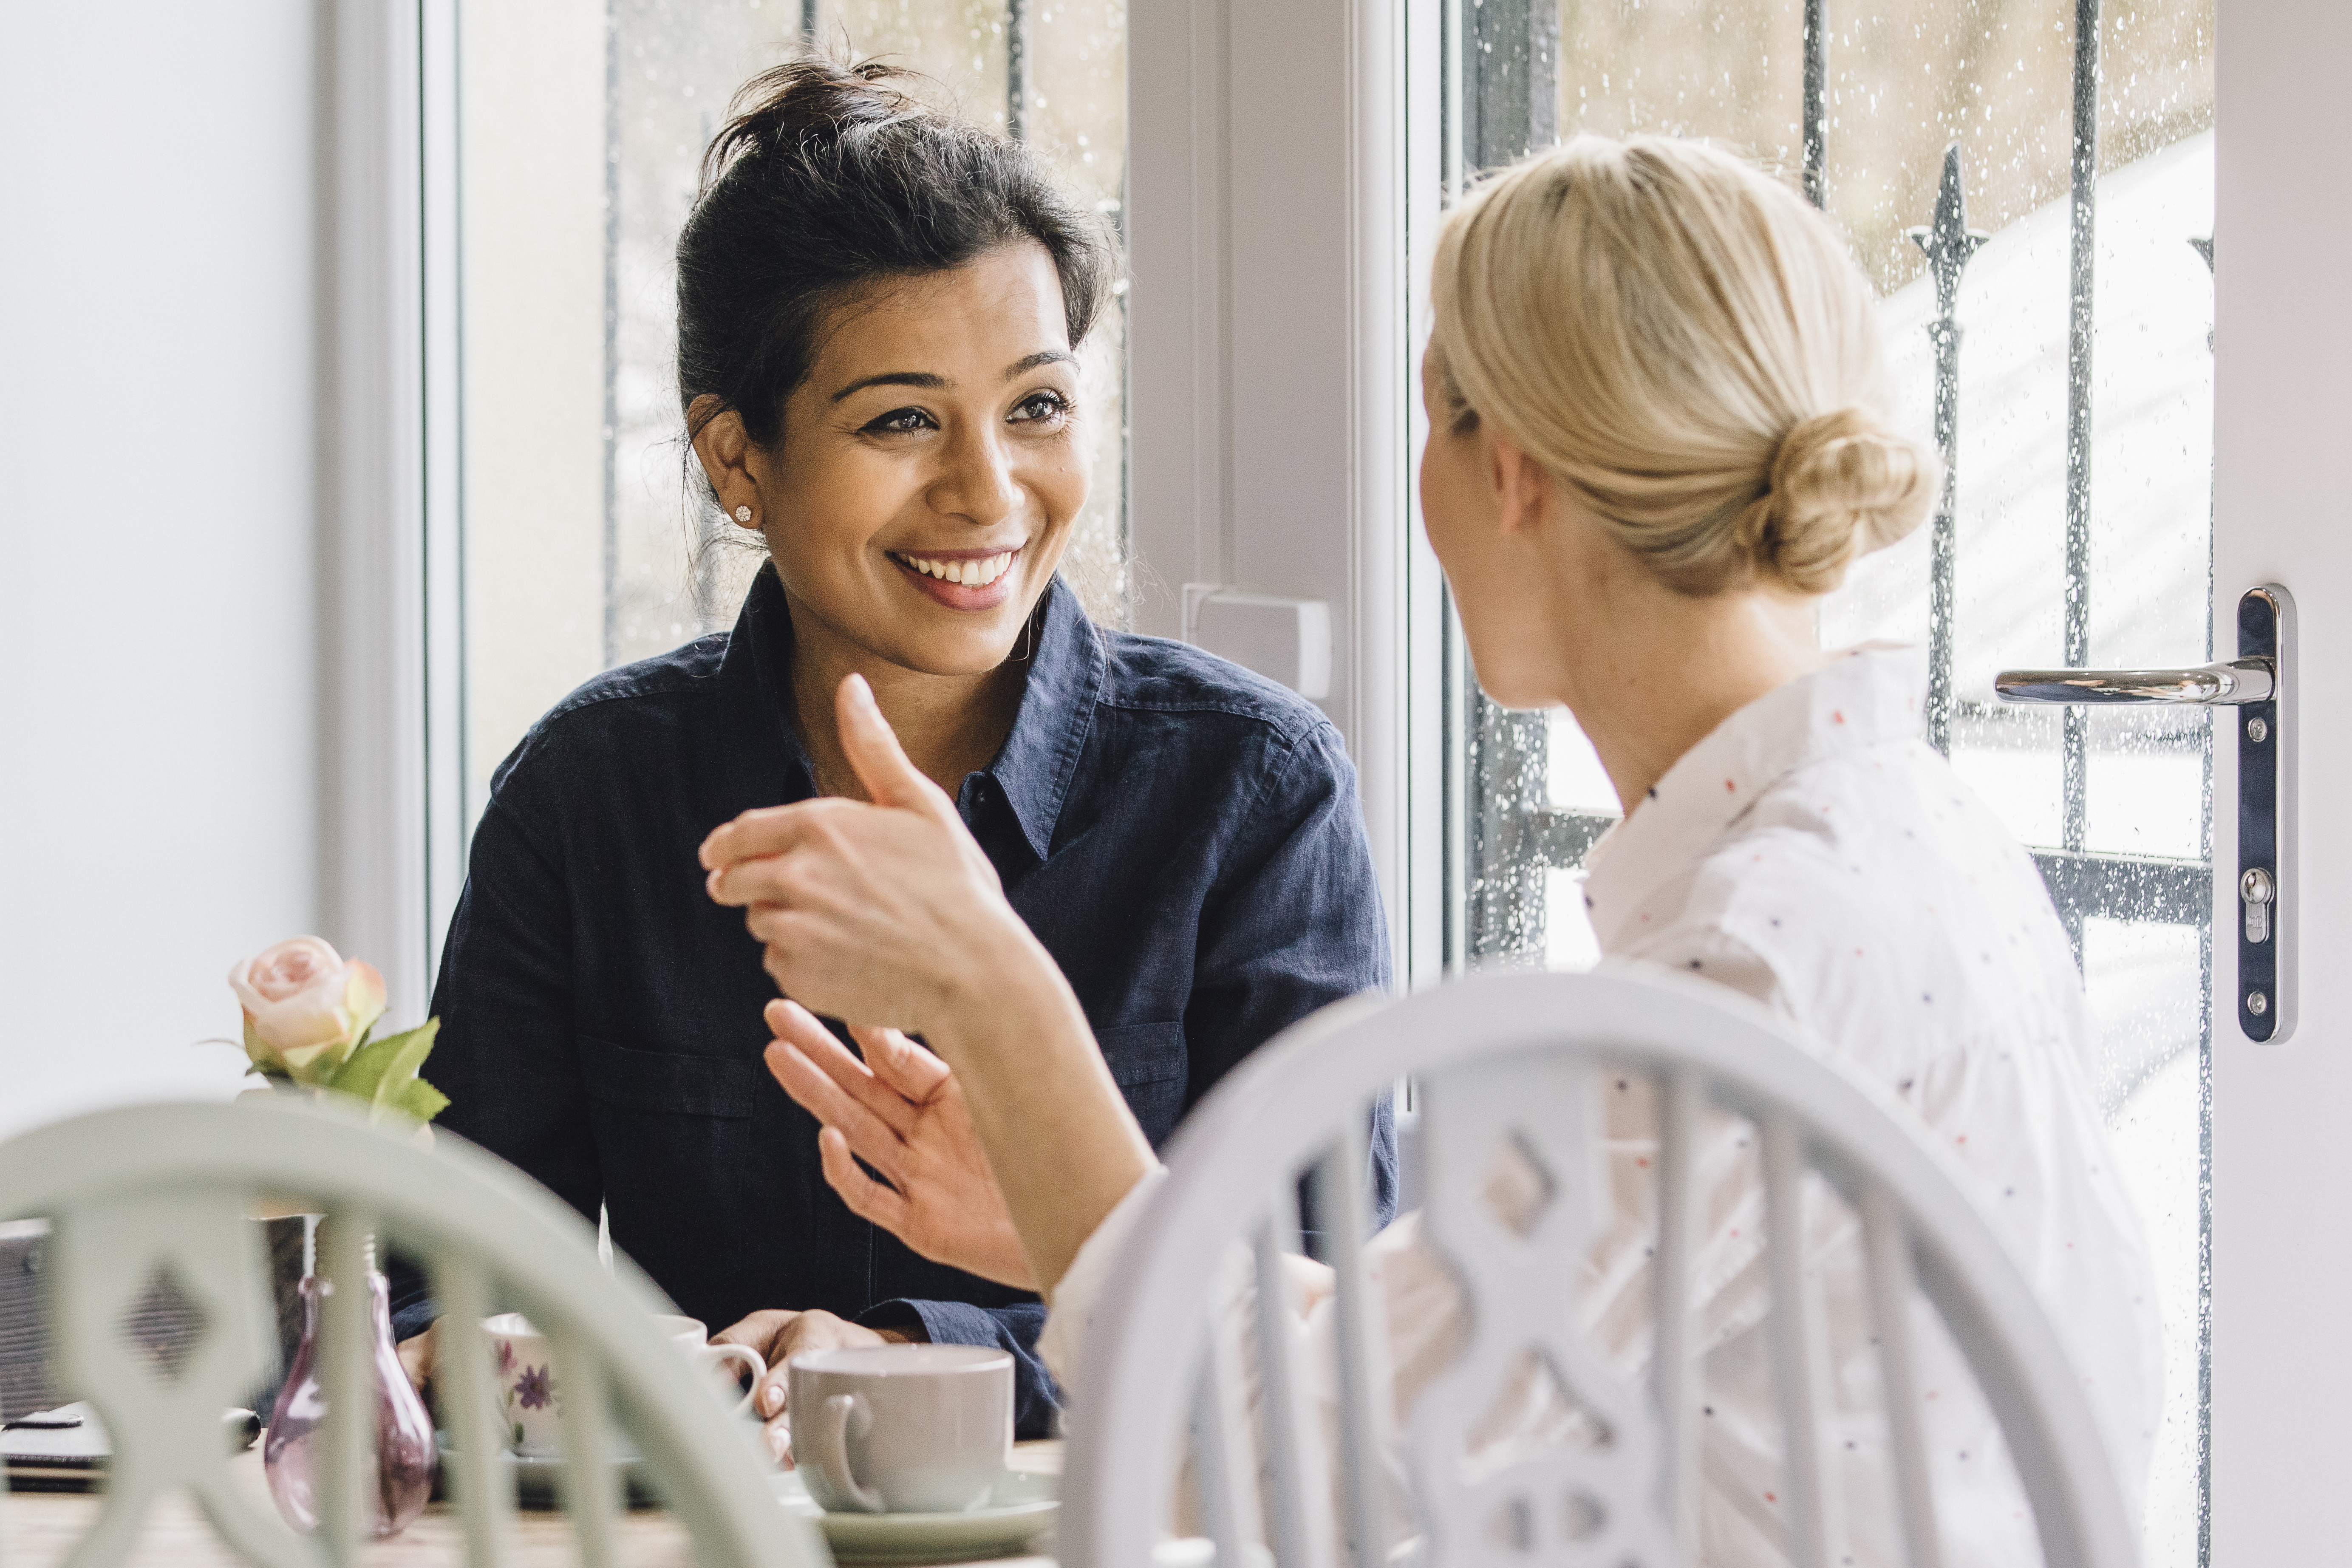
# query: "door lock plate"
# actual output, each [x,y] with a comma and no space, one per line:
[2266,822]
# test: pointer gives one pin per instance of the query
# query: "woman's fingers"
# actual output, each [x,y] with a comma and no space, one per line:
[876,1141]
[866,1197]
[880,761]
[767,830]
[898,1062]
[853,1078]
[793,1024]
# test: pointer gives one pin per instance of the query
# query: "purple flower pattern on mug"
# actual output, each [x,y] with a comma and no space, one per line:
[531,1391]
[506,1358]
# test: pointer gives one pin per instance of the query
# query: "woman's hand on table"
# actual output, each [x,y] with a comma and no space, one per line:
[416,1356]
[902,1112]
[779,1336]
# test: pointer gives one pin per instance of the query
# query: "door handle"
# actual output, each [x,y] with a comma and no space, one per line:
[2236,684]
[2260,683]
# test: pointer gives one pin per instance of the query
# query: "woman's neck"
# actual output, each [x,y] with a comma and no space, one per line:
[1666,670]
[950,725]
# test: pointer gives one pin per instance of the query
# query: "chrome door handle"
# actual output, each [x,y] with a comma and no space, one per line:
[2260,680]
[2232,685]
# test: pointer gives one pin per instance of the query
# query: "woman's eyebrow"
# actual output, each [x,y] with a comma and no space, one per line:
[1044,356]
[921,378]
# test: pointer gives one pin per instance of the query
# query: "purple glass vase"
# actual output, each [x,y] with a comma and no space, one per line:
[401,1476]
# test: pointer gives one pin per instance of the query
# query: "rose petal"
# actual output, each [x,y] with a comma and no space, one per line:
[285,970]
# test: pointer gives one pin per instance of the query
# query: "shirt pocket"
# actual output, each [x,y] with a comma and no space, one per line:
[626,1078]
[1152,1067]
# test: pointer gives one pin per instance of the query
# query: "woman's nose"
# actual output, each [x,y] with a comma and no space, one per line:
[979,483]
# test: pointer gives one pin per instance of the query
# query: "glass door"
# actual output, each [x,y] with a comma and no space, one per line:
[2032,186]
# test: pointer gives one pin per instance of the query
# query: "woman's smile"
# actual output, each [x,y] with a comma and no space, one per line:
[960,579]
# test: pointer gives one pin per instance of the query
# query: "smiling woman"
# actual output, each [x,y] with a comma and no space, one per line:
[880,310]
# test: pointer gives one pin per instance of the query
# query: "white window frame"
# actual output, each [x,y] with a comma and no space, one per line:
[1269,335]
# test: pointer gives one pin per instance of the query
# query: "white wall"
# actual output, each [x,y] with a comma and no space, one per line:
[158,717]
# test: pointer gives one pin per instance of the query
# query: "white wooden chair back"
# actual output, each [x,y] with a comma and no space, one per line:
[1516,1057]
[170,1187]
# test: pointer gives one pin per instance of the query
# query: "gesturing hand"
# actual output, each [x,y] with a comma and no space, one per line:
[902,1112]
[888,911]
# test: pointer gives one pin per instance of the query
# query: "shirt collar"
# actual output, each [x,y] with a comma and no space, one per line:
[1066,671]
[1068,667]
[1862,698]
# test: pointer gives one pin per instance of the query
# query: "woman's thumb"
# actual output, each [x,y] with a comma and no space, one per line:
[874,751]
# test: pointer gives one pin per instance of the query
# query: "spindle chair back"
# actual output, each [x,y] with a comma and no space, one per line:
[167,1190]
[1160,1394]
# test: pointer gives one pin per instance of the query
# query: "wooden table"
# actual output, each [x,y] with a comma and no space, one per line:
[38,1529]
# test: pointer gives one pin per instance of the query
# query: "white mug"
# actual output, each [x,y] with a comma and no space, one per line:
[529,1399]
[902,1428]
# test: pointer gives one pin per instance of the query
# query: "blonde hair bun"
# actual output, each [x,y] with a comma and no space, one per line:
[1661,325]
[1841,486]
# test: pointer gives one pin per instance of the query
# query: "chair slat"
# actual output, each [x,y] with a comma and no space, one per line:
[1680,1381]
[1887,1250]
[1798,1354]
[347,1357]
[1224,1473]
[1300,1484]
[590,1489]
[484,1496]
[1344,1205]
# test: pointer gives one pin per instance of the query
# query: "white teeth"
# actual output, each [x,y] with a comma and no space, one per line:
[976,574]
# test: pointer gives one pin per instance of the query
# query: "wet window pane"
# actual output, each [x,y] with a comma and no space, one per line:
[582,128]
[1905,81]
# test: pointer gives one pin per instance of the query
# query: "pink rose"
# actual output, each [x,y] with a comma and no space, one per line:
[305,1010]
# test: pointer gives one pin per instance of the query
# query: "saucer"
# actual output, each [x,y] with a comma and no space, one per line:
[1022,1508]
[539,1477]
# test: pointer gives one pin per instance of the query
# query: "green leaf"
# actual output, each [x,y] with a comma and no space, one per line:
[377,1070]
[416,1100]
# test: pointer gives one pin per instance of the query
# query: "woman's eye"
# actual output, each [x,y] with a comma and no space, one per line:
[1040,406]
[900,422]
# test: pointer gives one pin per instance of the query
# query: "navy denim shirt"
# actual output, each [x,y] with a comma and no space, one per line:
[1182,835]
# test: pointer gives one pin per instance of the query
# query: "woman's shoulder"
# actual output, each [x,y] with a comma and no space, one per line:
[643,693]
[1160,676]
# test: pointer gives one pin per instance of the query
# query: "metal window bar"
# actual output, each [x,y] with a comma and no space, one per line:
[1509,833]
[612,389]
[1016,70]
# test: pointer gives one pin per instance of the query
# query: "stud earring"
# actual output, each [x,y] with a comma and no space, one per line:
[742,514]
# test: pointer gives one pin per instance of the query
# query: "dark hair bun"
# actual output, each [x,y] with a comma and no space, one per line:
[808,100]
[828,178]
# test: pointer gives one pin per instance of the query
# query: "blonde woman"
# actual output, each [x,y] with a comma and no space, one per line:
[1654,390]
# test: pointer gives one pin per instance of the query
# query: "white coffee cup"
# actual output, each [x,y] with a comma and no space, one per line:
[902,1428]
[531,1400]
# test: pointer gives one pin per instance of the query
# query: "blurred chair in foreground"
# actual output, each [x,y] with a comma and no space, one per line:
[1561,1115]
[159,1198]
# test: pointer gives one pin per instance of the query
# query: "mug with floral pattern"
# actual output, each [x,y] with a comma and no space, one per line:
[530,1398]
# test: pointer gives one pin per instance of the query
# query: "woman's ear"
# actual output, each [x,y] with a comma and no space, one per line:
[1523,487]
[725,450]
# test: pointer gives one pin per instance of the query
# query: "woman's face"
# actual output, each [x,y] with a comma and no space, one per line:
[1498,590]
[931,467]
